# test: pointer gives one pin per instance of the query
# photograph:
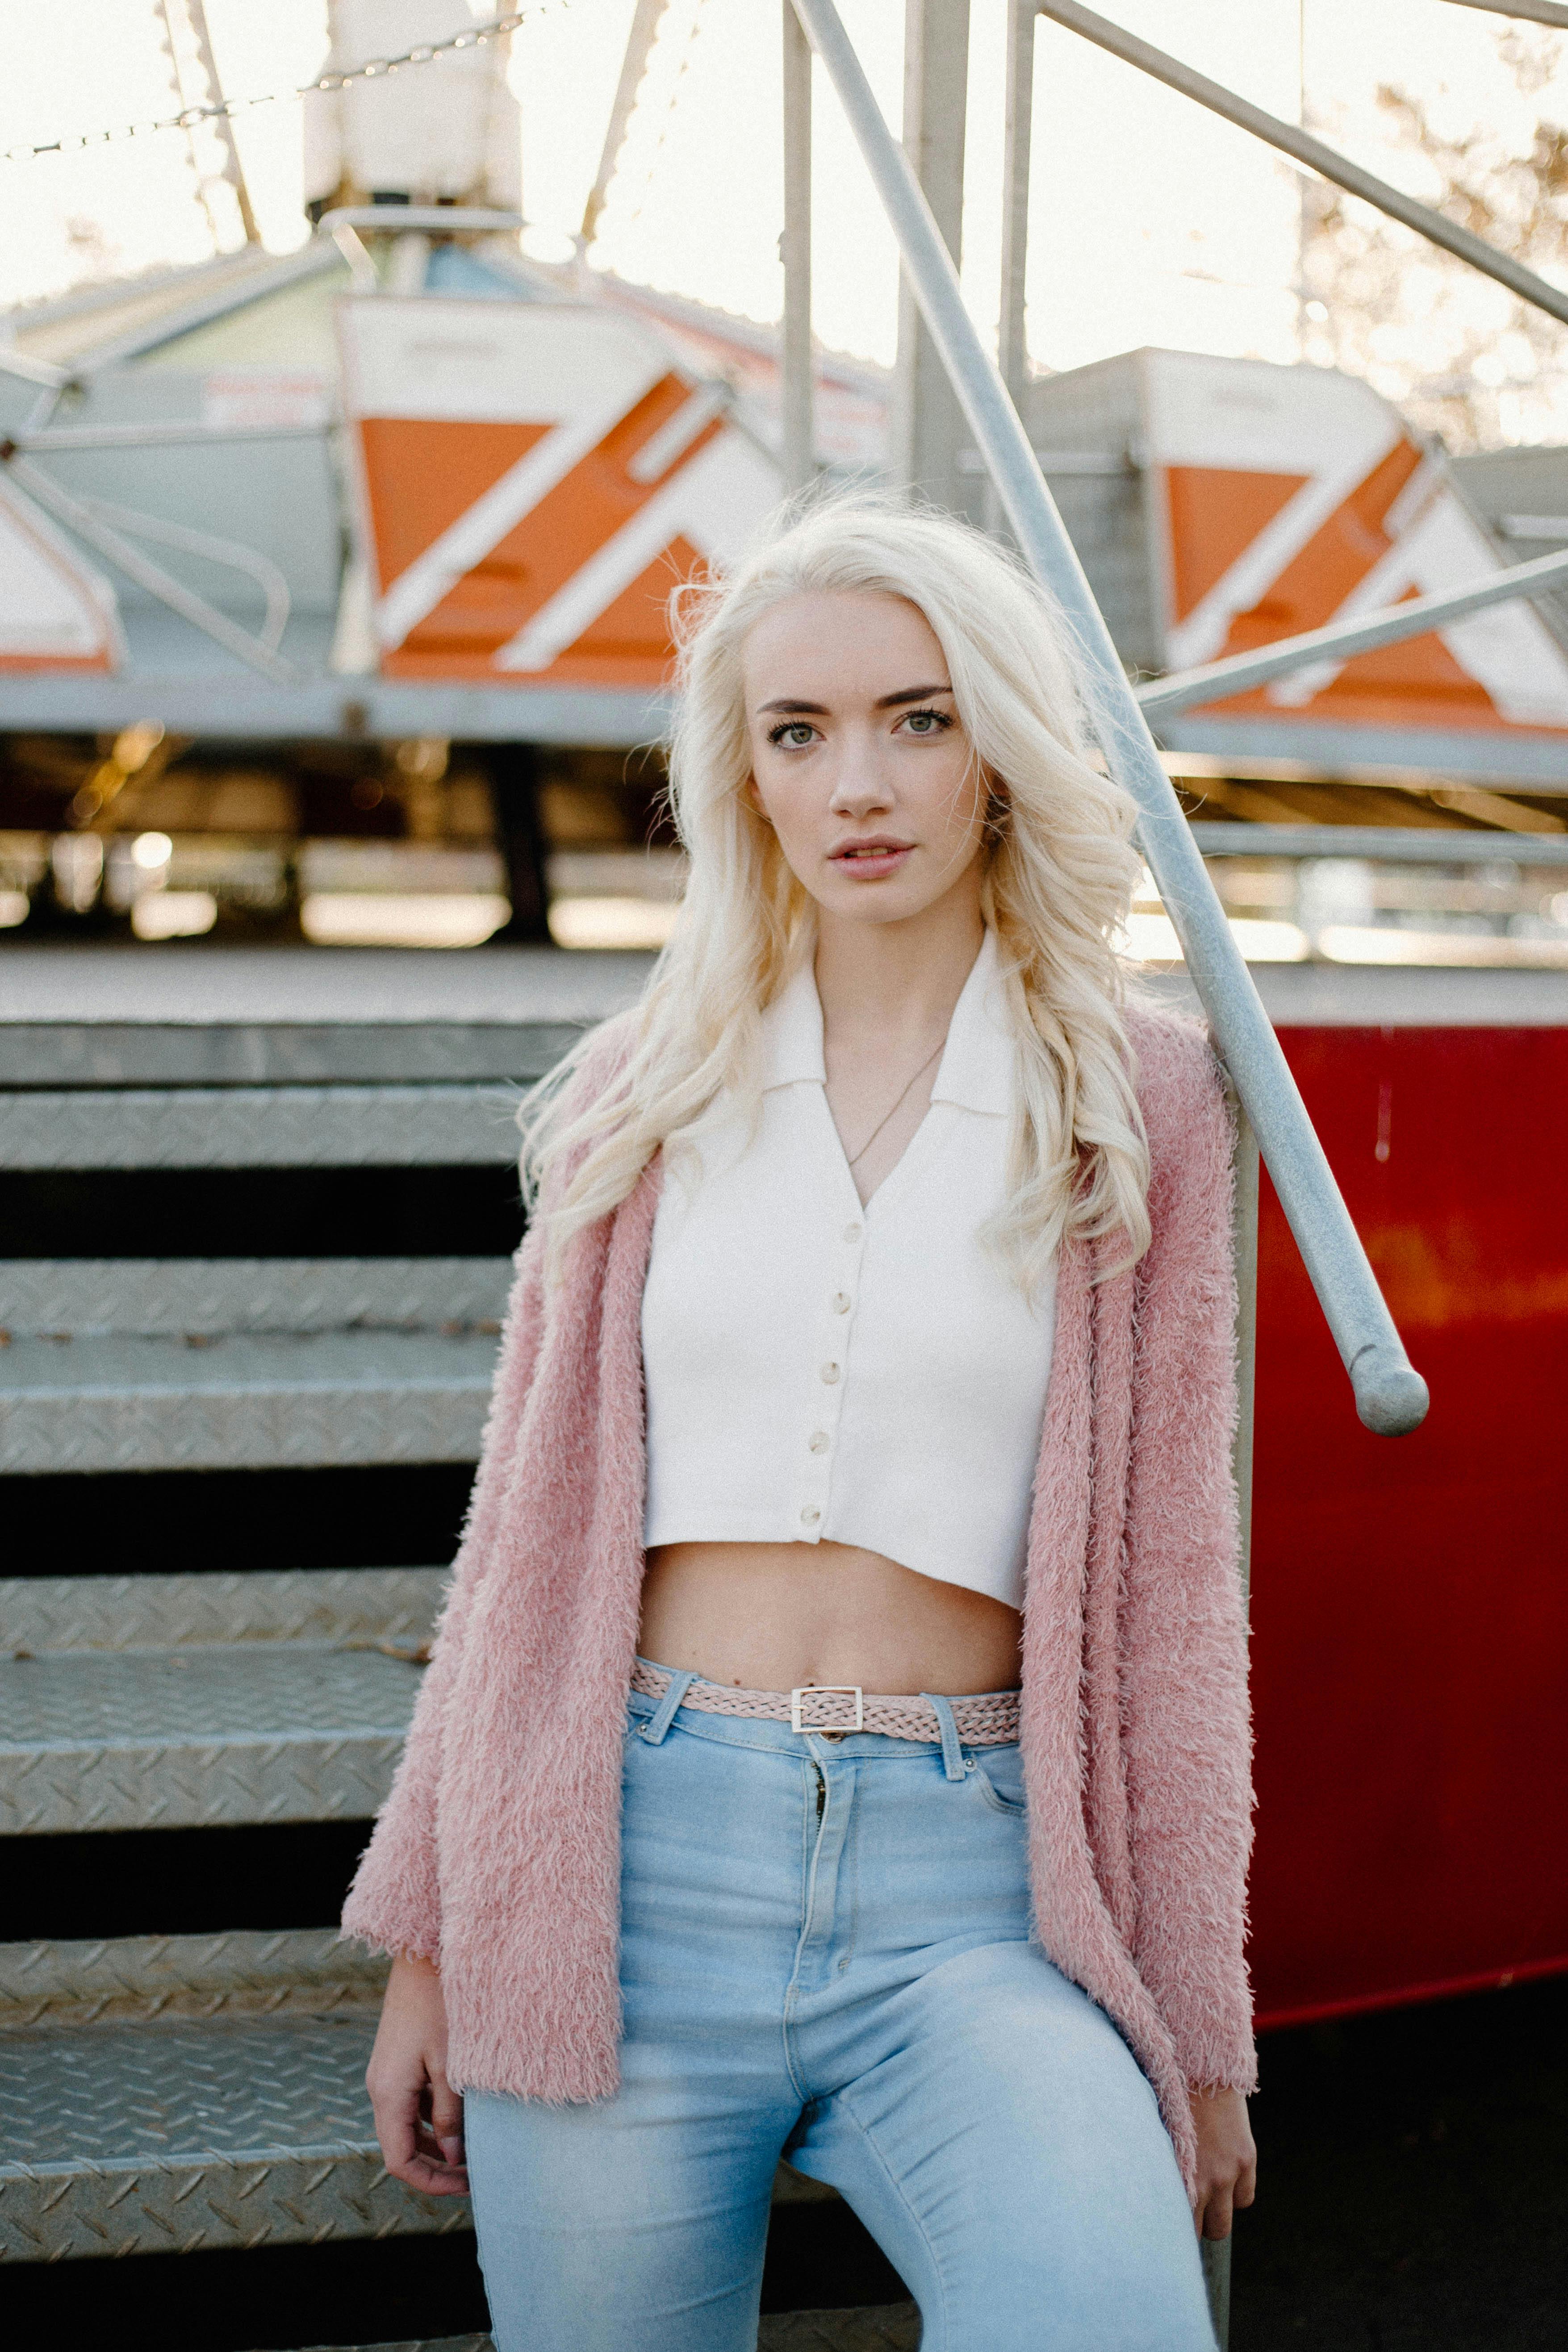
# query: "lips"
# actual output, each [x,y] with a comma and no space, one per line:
[870,860]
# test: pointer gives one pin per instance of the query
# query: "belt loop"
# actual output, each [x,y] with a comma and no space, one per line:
[654,1730]
[952,1753]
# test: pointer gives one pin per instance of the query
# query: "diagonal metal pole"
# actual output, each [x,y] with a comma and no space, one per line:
[1292,140]
[645,24]
[1016,138]
[1391,1397]
[1338,640]
[1539,12]
[798,398]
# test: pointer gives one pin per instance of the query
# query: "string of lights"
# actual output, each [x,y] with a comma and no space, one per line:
[373,69]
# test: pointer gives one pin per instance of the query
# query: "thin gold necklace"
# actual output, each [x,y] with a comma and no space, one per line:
[882,1122]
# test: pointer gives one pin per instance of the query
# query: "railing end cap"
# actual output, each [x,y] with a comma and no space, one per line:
[1391,1397]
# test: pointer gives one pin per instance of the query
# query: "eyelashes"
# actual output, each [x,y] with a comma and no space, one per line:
[939,721]
[942,720]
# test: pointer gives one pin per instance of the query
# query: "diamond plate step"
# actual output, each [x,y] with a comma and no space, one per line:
[886,2327]
[176,2094]
[188,1702]
[261,1126]
[163,2094]
[182,1298]
[334,1606]
[244,1403]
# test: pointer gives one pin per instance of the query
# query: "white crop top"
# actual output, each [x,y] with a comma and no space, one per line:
[867,1375]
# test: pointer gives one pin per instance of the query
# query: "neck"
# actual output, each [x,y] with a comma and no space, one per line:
[898,980]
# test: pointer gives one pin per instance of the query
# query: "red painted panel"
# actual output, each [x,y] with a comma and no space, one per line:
[1410,1595]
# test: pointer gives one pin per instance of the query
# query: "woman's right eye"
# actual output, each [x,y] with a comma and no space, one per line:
[794,735]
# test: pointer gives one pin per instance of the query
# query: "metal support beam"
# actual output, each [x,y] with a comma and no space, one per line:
[222,122]
[1539,12]
[634,65]
[798,398]
[149,575]
[1390,1396]
[1017,130]
[1338,640]
[1380,845]
[928,432]
[1290,140]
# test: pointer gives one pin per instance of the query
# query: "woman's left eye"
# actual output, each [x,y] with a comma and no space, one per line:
[926,722]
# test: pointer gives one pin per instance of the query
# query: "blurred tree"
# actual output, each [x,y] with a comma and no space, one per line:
[1458,354]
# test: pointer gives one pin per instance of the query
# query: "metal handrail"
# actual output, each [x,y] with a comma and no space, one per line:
[1338,640]
[1539,12]
[1390,1396]
[1378,844]
[1290,140]
[428,220]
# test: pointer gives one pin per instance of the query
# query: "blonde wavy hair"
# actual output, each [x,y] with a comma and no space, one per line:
[1059,874]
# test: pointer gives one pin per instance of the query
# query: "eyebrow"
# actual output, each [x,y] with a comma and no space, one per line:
[790,704]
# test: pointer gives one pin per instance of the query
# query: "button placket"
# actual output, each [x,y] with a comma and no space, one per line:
[813,1483]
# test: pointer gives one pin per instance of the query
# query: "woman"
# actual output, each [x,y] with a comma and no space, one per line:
[915,1234]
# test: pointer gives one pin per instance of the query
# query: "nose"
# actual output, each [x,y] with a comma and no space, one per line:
[858,788]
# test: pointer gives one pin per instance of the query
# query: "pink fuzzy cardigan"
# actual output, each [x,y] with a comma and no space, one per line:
[497,1853]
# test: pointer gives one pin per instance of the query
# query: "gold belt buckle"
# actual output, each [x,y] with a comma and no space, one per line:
[798,1698]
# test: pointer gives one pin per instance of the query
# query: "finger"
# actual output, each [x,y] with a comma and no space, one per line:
[421,2163]
[1247,2185]
[397,2126]
[431,2177]
[447,2118]
[1217,2214]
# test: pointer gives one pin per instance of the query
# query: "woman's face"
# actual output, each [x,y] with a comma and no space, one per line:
[860,761]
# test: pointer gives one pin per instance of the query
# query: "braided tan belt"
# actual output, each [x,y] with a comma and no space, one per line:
[987,1720]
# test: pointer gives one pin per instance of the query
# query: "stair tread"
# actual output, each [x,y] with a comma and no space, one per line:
[261,1126]
[127,1361]
[166,2094]
[193,1609]
[883,2328]
[218,1297]
[244,1402]
[172,2093]
[251,1692]
[193,1731]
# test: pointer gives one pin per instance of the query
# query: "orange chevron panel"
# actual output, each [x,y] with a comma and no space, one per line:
[1313,585]
[614,645]
[488,607]
[423,472]
[101,660]
[1217,512]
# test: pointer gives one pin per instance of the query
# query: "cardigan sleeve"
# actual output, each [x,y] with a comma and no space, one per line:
[1186,1733]
[395,1902]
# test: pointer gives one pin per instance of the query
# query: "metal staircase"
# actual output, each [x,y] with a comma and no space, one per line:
[193,2093]
[172,2093]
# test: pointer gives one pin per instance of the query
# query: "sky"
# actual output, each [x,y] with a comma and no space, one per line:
[1151,221]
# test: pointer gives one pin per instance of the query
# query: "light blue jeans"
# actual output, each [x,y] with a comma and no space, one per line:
[825,1955]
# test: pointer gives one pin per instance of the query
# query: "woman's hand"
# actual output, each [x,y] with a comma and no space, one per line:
[419,2116]
[1227,2160]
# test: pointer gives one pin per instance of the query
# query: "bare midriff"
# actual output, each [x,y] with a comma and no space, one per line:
[778,1616]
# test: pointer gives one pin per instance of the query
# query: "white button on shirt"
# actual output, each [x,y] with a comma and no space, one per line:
[820,1371]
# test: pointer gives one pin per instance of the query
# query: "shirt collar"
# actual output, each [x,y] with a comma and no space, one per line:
[791,1032]
[976,1069]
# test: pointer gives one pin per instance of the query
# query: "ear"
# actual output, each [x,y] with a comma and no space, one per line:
[753,800]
